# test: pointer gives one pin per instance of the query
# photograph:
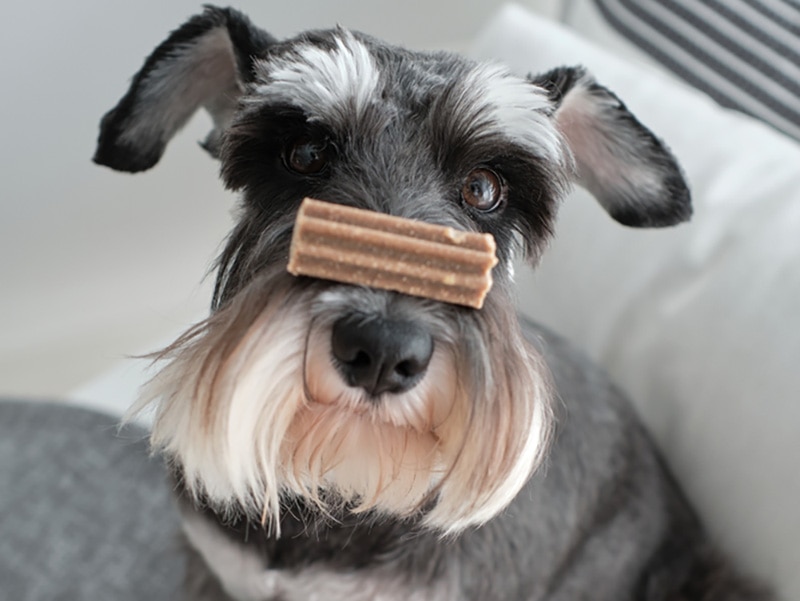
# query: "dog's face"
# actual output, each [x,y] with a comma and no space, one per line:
[354,397]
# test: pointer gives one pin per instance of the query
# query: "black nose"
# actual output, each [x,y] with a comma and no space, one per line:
[380,355]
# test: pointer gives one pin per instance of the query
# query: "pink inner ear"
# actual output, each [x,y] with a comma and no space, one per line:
[607,151]
[201,73]
[577,118]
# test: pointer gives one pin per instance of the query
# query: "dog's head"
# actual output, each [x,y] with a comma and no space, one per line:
[366,399]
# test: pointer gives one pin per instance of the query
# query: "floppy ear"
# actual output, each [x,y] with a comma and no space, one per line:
[205,62]
[630,171]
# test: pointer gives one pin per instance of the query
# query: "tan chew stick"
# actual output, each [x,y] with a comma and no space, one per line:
[356,246]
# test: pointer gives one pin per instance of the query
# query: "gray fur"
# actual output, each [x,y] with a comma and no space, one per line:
[602,519]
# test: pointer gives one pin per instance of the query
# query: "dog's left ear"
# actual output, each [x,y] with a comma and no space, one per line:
[627,168]
[203,63]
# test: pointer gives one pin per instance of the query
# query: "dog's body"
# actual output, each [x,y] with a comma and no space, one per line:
[337,443]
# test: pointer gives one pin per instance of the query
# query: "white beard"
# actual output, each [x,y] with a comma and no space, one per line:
[250,407]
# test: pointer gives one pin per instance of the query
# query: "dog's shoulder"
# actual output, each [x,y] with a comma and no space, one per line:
[576,379]
[598,432]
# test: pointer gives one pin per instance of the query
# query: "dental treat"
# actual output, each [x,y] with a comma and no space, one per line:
[357,246]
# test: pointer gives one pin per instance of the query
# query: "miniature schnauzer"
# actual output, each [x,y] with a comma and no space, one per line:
[334,442]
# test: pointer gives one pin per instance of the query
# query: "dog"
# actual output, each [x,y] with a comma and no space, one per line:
[336,442]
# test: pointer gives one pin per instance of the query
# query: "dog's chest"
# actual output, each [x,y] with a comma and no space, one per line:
[245,577]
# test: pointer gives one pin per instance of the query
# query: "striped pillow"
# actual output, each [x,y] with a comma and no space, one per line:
[743,53]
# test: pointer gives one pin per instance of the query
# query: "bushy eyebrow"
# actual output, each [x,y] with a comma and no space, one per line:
[334,82]
[488,102]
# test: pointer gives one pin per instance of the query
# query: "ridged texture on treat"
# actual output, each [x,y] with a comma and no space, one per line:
[356,246]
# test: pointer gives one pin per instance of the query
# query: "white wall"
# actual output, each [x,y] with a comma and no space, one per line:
[95,265]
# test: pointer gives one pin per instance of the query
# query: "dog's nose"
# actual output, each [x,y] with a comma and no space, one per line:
[381,355]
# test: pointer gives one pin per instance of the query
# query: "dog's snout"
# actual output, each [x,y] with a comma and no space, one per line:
[380,355]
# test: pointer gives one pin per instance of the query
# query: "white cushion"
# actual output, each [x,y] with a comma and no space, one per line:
[698,323]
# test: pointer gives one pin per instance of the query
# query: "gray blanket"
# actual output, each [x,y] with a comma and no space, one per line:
[85,514]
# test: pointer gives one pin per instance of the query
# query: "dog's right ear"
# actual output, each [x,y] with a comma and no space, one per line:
[205,62]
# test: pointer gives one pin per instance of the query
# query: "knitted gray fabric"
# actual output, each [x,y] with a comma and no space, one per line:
[85,514]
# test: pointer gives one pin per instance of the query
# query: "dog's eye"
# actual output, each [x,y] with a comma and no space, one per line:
[482,189]
[307,155]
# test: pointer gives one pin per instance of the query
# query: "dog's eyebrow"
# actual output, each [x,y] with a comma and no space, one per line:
[489,100]
[327,82]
